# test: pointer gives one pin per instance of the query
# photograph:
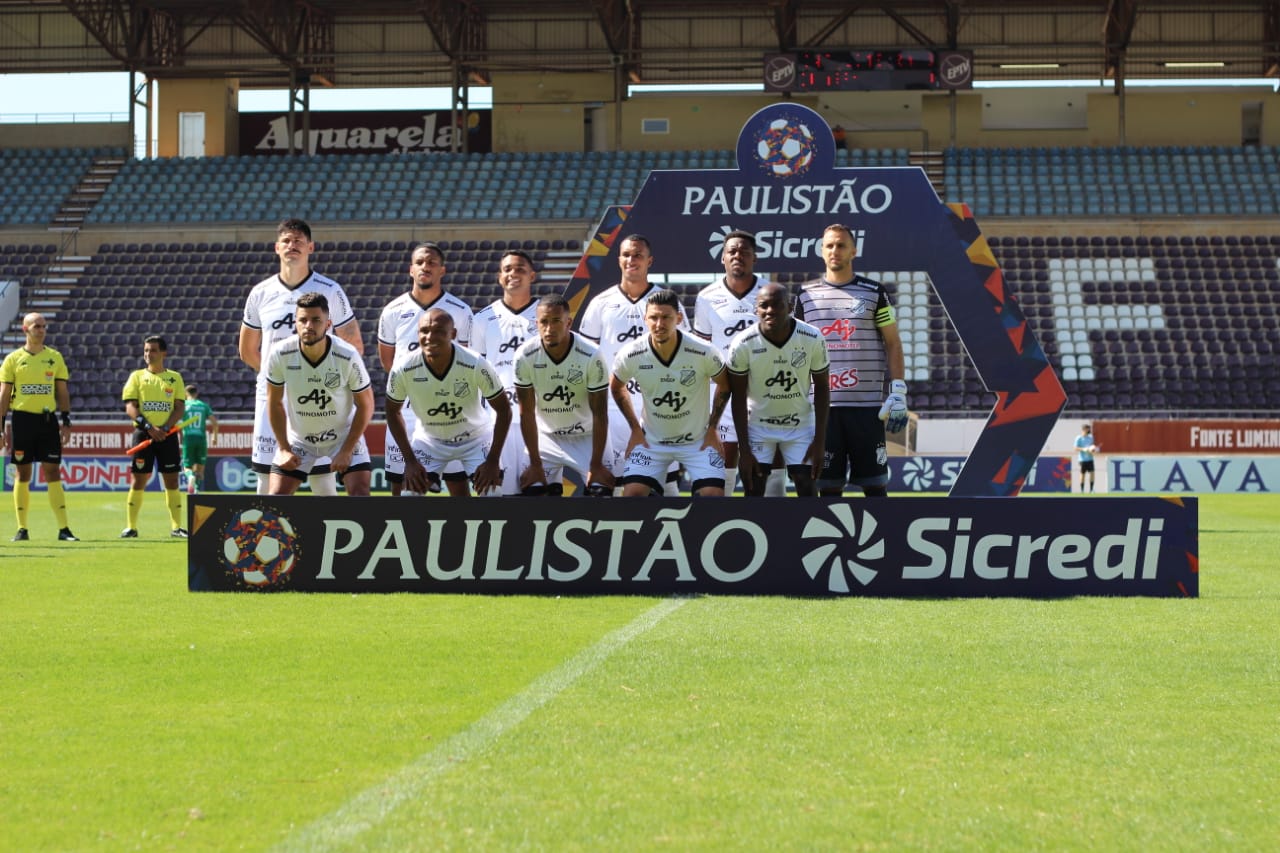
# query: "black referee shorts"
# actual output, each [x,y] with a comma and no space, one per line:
[35,439]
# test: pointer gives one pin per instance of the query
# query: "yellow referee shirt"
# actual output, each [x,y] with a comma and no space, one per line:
[33,378]
[156,393]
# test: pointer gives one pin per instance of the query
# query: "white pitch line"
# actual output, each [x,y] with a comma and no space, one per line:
[371,806]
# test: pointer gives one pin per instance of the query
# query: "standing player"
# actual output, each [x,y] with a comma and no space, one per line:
[33,385]
[680,426]
[615,318]
[319,402]
[398,336]
[447,385]
[856,318]
[153,400]
[561,383]
[724,308]
[196,438]
[772,366]
[501,327]
[268,319]
[1085,448]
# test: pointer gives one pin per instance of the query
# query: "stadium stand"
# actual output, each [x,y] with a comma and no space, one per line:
[34,182]
[456,187]
[1152,324]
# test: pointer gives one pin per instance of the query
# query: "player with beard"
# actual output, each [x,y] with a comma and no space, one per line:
[671,371]
[319,402]
[268,319]
[772,367]
[500,329]
[614,318]
[398,336]
[856,319]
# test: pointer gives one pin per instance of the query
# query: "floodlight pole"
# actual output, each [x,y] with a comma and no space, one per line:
[299,97]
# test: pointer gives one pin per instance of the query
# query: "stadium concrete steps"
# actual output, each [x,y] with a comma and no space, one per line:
[88,192]
[935,167]
[559,267]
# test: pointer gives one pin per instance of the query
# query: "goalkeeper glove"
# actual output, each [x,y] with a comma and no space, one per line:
[894,410]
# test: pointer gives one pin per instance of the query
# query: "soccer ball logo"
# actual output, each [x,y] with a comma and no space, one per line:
[785,149]
[260,547]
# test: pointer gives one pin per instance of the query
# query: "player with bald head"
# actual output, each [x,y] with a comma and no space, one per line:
[447,385]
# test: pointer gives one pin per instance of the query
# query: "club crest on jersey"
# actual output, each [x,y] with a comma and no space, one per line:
[688,376]
[575,376]
[460,388]
[797,358]
[332,379]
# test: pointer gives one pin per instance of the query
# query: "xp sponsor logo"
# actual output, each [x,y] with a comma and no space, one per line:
[778,244]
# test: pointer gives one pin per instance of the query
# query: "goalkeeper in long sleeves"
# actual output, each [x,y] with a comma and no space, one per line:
[868,391]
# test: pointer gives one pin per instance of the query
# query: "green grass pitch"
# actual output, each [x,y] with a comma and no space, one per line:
[136,715]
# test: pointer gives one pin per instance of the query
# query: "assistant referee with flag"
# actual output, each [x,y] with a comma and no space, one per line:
[33,385]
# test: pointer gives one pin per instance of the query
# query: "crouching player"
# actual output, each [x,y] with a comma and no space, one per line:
[319,402]
[772,366]
[447,385]
[671,371]
[561,387]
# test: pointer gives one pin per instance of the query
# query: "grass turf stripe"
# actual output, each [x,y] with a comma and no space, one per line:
[371,806]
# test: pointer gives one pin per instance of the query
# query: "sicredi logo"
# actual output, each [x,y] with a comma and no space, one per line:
[779,244]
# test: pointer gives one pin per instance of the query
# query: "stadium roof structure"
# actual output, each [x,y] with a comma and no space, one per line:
[372,43]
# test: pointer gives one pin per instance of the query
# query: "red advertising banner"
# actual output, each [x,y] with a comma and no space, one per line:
[1208,437]
[234,439]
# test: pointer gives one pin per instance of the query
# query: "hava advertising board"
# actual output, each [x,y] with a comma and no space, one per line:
[909,547]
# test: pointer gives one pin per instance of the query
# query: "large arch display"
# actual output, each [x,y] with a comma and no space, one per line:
[786,190]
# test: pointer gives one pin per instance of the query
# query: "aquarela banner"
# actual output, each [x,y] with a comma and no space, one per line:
[909,547]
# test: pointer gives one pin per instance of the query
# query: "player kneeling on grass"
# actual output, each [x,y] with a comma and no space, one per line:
[319,402]
[154,402]
[447,385]
[671,371]
[561,383]
[772,366]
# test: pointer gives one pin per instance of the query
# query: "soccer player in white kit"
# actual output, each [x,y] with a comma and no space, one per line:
[319,402]
[447,385]
[616,317]
[561,386]
[724,308]
[499,330]
[398,335]
[672,371]
[772,367]
[268,319]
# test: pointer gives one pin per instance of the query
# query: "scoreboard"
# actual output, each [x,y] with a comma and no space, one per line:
[866,70]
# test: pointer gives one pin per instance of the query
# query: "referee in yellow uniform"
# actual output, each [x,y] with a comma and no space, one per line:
[33,385]
[153,398]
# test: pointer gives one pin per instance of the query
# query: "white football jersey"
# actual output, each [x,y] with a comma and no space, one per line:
[398,322]
[779,377]
[272,304]
[613,320]
[719,313]
[319,399]
[498,332]
[562,387]
[450,407]
[676,403]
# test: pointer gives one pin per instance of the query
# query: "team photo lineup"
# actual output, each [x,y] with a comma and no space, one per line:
[501,401]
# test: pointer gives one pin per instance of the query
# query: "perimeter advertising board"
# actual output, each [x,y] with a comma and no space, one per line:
[1035,547]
